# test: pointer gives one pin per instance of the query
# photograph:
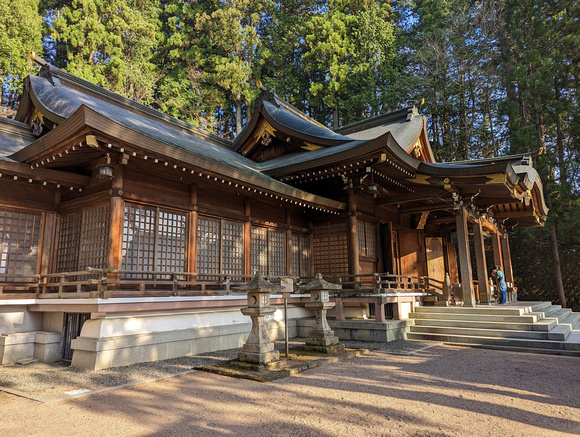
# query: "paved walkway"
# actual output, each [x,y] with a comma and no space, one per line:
[437,391]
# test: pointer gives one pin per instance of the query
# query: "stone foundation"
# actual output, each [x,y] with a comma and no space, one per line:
[41,345]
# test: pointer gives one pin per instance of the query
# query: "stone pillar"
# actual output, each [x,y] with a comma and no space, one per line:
[258,349]
[482,275]
[464,256]
[321,337]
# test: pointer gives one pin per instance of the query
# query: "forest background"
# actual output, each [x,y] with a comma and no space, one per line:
[497,77]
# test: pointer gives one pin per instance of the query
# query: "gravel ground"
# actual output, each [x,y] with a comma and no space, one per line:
[52,381]
[416,389]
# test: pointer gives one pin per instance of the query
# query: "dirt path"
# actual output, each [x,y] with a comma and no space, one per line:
[442,390]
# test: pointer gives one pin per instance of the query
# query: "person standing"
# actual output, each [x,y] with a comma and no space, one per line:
[499,277]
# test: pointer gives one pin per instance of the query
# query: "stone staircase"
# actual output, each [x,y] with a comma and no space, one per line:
[538,327]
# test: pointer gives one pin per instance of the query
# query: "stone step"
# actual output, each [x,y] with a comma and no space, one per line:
[496,341]
[489,310]
[476,317]
[566,352]
[543,325]
[475,332]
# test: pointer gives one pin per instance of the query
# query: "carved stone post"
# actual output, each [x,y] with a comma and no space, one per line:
[258,349]
[321,337]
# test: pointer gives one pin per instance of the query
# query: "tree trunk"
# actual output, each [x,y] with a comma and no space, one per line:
[557,269]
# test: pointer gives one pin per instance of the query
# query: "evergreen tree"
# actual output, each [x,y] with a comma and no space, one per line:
[20,33]
[107,42]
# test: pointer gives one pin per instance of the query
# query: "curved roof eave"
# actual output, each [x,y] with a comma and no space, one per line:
[351,150]
[89,117]
[531,180]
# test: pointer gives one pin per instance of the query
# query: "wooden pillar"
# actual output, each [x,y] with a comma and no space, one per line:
[116,219]
[289,243]
[247,238]
[47,244]
[353,261]
[192,232]
[379,240]
[507,259]
[464,257]
[496,249]
[482,278]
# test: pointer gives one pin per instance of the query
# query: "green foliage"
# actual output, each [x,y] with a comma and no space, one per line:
[109,43]
[20,33]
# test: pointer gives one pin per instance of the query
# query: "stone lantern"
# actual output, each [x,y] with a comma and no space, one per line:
[321,337]
[258,349]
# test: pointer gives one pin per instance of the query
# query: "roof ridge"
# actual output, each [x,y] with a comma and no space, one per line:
[405,114]
[85,86]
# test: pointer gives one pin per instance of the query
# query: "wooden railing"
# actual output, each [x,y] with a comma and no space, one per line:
[126,283]
[389,283]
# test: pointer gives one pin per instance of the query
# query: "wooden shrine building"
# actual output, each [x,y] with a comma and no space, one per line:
[126,227]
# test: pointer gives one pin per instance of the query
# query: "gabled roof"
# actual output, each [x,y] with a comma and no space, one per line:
[285,124]
[77,112]
[14,136]
[406,125]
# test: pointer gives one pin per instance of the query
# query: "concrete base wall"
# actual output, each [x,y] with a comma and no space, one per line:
[41,345]
[124,339]
[16,318]
[366,330]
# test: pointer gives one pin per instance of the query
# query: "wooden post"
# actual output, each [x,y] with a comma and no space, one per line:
[507,259]
[192,233]
[496,249]
[289,243]
[481,266]
[247,238]
[464,257]
[353,261]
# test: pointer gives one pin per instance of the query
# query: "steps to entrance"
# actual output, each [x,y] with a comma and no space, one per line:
[523,326]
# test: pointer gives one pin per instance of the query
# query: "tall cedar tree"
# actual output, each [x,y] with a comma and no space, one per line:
[20,33]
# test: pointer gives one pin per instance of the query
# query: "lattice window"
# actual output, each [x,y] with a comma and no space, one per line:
[208,246]
[259,251]
[220,247]
[153,240]
[277,252]
[268,252]
[233,248]
[138,251]
[171,239]
[330,245]
[69,243]
[94,238]
[19,236]
[367,238]
[300,255]
[371,239]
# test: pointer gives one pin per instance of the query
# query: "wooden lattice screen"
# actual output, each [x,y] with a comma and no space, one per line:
[268,251]
[300,255]
[83,240]
[19,236]
[367,238]
[153,239]
[220,247]
[330,248]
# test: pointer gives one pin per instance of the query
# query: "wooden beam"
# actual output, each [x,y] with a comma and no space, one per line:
[513,214]
[404,198]
[425,208]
